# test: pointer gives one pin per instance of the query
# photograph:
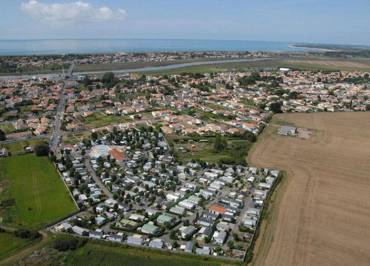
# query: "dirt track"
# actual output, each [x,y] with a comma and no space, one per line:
[321,215]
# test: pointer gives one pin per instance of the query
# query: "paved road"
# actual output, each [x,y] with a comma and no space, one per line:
[176,66]
[56,135]
[97,179]
[143,69]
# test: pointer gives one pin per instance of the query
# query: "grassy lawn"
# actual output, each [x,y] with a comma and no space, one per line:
[34,193]
[202,151]
[99,119]
[314,63]
[7,127]
[10,244]
[74,138]
[95,254]
[187,149]
[20,145]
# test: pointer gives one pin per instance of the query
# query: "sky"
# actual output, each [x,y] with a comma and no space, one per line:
[313,21]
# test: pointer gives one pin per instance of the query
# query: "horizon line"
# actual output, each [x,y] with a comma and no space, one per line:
[185,39]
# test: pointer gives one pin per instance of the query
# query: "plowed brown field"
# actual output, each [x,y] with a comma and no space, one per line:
[321,212]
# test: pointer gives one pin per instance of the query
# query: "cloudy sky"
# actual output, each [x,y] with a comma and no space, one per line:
[325,21]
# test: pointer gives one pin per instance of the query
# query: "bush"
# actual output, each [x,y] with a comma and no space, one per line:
[2,135]
[109,79]
[68,244]
[276,107]
[220,143]
[42,149]
[27,234]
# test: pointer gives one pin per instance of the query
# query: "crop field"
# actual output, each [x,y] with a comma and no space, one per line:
[31,192]
[321,213]
[95,254]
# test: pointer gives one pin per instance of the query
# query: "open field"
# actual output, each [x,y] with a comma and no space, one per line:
[202,148]
[133,65]
[97,254]
[130,65]
[19,146]
[34,193]
[97,120]
[321,213]
[309,63]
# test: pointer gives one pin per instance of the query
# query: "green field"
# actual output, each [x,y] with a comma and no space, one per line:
[7,127]
[33,192]
[99,119]
[96,254]
[10,244]
[202,148]
[20,145]
[318,63]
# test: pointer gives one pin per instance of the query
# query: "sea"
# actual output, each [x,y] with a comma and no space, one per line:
[85,46]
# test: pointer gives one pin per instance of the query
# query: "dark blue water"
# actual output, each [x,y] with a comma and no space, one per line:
[42,47]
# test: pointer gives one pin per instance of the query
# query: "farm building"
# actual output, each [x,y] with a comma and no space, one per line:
[287,131]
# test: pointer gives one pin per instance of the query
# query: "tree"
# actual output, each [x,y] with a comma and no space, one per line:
[86,81]
[27,234]
[109,79]
[173,235]
[293,95]
[220,143]
[236,237]
[276,107]
[2,135]
[175,244]
[94,136]
[42,149]
[230,244]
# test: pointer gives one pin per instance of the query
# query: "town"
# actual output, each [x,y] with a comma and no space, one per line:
[158,160]
[184,133]
[215,103]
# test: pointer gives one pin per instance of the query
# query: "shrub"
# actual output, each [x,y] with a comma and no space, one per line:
[2,135]
[27,234]
[220,143]
[68,244]
[42,149]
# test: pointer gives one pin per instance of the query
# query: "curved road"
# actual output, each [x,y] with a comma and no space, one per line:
[145,69]
[176,66]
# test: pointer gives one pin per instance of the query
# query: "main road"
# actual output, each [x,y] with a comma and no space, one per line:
[56,135]
[145,69]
